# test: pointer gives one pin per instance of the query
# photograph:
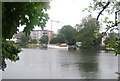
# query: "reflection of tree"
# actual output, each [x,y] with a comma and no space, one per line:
[83,62]
[88,67]
[88,63]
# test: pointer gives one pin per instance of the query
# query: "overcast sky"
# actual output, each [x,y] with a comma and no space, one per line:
[67,12]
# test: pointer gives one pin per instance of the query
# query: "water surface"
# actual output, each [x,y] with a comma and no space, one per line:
[62,64]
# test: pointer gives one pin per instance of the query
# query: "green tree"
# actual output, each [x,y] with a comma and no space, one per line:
[25,38]
[58,39]
[110,8]
[69,34]
[16,14]
[88,32]
[44,40]
[113,42]
[109,40]
[33,41]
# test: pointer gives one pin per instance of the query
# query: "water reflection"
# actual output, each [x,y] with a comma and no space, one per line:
[89,61]
[88,67]
[85,61]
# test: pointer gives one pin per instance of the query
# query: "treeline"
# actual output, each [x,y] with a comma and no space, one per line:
[86,32]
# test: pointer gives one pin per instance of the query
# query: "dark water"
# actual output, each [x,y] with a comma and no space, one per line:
[62,64]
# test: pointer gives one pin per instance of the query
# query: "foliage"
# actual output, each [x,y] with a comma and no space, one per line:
[33,41]
[9,51]
[66,35]
[114,42]
[29,14]
[88,32]
[117,46]
[110,41]
[110,8]
[36,46]
[44,40]
[16,14]
[22,44]
[69,34]
[58,39]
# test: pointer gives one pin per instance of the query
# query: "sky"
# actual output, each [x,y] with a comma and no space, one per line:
[67,12]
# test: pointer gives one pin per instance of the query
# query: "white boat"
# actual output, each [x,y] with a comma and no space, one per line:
[56,47]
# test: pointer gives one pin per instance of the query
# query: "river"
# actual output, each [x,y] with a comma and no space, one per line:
[62,64]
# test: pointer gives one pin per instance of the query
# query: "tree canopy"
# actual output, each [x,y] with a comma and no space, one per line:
[16,14]
[66,35]
[88,32]
[106,9]
[59,38]
[69,34]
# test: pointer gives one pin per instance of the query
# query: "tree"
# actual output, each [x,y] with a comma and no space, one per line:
[30,14]
[33,41]
[58,39]
[69,34]
[44,40]
[25,38]
[109,40]
[110,8]
[16,14]
[89,32]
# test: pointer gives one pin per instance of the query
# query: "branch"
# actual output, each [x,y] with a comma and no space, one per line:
[109,28]
[103,10]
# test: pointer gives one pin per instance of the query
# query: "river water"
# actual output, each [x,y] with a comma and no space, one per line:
[62,64]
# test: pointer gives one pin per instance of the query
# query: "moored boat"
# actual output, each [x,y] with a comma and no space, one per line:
[57,47]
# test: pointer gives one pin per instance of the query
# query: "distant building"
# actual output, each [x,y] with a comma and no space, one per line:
[37,34]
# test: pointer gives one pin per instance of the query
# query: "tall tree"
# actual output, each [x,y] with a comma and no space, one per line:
[106,9]
[69,34]
[16,14]
[89,32]
[30,14]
